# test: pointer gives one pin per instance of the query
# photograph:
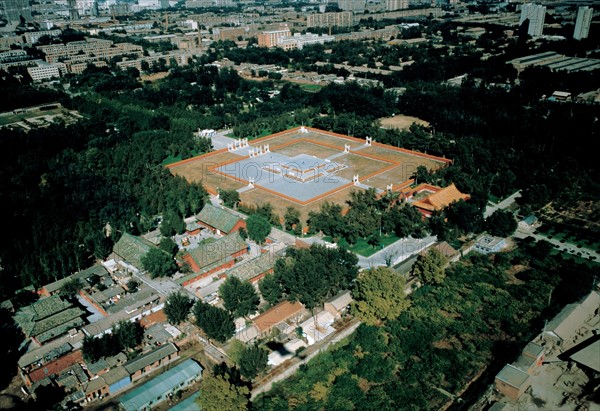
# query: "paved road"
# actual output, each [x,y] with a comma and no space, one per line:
[507,202]
[566,247]
[220,141]
[397,252]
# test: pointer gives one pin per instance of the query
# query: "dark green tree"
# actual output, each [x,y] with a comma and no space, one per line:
[128,334]
[253,361]
[215,322]
[231,198]
[270,289]
[132,285]
[177,307]
[258,228]
[158,263]
[172,224]
[291,218]
[71,287]
[239,298]
[501,223]
[169,246]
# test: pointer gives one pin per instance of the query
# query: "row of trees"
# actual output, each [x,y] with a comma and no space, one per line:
[125,335]
[310,275]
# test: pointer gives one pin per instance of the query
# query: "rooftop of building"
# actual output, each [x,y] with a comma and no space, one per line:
[279,313]
[132,248]
[150,357]
[162,384]
[249,269]
[213,252]
[217,218]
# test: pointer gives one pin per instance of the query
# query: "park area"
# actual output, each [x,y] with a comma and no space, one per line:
[39,116]
[303,167]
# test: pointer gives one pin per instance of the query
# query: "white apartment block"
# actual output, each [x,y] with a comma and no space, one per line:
[356,6]
[582,24]
[536,14]
[32,37]
[44,71]
[298,41]
[391,5]
[341,19]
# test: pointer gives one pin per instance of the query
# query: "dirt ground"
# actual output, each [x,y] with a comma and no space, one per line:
[154,76]
[401,121]
[382,164]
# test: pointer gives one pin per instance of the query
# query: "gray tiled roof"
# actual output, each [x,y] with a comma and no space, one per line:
[251,268]
[150,358]
[210,253]
[218,218]
[132,249]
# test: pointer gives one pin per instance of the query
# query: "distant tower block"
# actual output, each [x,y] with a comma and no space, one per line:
[238,143]
[355,180]
[303,130]
[346,148]
[251,153]
[251,182]
[267,150]
[389,188]
[245,142]
[369,141]
[229,146]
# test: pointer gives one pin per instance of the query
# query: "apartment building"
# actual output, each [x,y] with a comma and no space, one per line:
[341,19]
[535,15]
[298,41]
[270,38]
[582,24]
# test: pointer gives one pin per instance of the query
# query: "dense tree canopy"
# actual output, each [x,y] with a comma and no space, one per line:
[253,361]
[430,267]
[215,322]
[177,307]
[258,228]
[379,295]
[159,263]
[218,393]
[239,297]
[312,275]
[501,223]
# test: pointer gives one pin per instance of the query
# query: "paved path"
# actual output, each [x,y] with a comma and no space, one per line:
[220,141]
[507,202]
[566,247]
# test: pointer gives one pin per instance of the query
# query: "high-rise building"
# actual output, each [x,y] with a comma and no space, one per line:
[13,10]
[355,6]
[535,15]
[391,5]
[582,24]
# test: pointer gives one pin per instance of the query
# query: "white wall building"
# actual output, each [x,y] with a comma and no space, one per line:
[44,71]
[582,24]
[298,41]
[536,14]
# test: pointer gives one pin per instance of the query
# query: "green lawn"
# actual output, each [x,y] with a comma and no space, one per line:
[171,160]
[313,88]
[361,247]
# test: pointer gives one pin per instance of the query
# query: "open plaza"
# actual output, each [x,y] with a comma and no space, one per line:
[304,167]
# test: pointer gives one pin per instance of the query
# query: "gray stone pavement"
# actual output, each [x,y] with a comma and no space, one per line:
[507,202]
[220,140]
